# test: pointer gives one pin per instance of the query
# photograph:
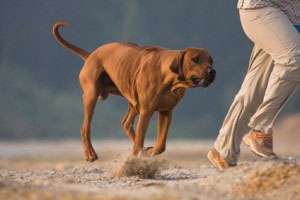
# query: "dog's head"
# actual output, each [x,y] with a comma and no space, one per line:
[194,67]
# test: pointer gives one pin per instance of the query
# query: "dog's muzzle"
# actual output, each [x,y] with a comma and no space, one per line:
[210,77]
[204,82]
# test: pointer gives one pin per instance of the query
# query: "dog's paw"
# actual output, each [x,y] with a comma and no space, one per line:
[91,155]
[148,152]
[91,159]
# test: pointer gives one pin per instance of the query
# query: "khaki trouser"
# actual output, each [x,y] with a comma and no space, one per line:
[273,76]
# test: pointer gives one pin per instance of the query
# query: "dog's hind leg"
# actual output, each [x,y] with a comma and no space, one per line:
[127,123]
[91,86]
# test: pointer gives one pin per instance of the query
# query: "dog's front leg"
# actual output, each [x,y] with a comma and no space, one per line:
[163,124]
[142,125]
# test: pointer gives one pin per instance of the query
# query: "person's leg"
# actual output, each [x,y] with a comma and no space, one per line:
[270,29]
[277,94]
[245,104]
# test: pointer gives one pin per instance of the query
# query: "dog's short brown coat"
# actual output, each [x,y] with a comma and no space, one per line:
[150,78]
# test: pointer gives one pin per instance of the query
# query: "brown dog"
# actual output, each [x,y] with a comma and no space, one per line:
[150,78]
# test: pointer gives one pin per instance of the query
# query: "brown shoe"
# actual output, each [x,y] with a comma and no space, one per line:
[217,160]
[260,143]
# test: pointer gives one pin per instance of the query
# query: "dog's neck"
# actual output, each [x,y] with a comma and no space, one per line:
[178,87]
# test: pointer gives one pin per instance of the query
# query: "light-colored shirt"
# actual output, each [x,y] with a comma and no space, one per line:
[290,7]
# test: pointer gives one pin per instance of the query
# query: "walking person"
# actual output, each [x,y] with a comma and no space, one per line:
[273,76]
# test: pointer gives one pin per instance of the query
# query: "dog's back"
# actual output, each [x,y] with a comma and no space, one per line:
[123,62]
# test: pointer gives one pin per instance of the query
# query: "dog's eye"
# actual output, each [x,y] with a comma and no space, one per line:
[196,59]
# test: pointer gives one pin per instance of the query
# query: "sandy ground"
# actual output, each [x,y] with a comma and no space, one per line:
[56,170]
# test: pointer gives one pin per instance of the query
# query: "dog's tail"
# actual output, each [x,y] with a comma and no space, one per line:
[82,53]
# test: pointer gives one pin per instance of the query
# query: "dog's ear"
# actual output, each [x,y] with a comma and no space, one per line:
[177,65]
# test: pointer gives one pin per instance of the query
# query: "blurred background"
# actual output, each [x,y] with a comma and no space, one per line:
[40,93]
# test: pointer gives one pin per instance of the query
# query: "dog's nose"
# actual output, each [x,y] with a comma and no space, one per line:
[211,74]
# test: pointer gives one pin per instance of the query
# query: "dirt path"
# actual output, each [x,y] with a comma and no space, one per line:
[24,174]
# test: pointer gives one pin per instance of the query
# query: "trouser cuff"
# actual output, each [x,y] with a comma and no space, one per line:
[229,156]
[261,128]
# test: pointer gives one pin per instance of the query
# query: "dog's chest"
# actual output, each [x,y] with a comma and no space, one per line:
[168,100]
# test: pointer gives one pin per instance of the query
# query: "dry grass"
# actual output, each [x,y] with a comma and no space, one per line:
[274,179]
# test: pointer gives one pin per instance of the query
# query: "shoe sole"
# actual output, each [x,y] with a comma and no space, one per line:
[248,144]
[213,162]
